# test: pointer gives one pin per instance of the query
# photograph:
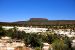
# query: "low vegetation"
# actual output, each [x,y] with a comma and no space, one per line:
[36,40]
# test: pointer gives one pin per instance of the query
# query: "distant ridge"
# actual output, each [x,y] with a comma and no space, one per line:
[39,22]
[19,22]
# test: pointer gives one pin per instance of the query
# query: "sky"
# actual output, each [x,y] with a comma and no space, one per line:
[22,10]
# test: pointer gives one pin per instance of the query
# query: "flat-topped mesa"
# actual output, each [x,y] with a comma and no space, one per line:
[38,19]
[41,22]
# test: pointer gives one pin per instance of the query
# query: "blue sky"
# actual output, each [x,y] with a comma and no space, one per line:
[21,10]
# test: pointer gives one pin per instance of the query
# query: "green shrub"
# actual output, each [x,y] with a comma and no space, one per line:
[37,48]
